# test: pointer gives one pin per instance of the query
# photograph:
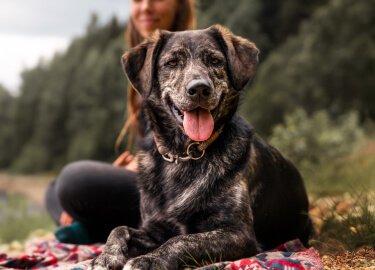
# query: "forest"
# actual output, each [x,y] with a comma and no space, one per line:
[316,76]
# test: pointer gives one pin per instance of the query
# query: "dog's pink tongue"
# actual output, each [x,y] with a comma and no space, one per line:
[198,124]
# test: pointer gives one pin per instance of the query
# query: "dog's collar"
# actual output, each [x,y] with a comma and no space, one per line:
[188,155]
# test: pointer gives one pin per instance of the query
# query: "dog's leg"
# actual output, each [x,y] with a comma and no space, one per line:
[122,243]
[185,249]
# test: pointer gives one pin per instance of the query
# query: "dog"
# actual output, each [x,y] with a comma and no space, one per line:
[210,188]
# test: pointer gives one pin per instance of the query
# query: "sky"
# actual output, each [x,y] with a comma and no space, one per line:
[35,29]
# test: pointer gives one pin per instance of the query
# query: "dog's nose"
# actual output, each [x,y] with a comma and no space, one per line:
[198,89]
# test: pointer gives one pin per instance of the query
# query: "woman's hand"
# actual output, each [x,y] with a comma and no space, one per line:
[65,219]
[127,161]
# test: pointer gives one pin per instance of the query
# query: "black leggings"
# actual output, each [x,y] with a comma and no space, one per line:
[99,195]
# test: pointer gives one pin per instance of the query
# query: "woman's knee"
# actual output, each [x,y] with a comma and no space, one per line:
[73,178]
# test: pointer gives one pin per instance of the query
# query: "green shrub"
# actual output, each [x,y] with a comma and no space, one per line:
[326,151]
[318,138]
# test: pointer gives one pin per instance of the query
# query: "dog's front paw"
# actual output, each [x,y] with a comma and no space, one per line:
[148,263]
[108,262]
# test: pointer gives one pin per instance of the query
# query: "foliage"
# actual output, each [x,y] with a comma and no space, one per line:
[71,107]
[331,154]
[315,54]
[339,176]
[316,139]
[328,65]
[7,126]
[266,22]
[18,219]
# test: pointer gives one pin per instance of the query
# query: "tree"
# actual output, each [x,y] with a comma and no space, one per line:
[25,109]
[314,54]
[7,128]
[268,23]
[74,104]
[328,65]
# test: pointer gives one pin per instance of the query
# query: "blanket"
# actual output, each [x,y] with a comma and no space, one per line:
[52,254]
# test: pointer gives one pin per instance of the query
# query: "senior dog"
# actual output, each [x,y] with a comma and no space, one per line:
[209,187]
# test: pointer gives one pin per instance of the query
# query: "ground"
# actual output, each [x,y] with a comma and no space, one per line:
[362,259]
[32,187]
[333,253]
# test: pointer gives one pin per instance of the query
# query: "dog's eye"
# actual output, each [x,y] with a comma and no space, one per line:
[215,61]
[172,63]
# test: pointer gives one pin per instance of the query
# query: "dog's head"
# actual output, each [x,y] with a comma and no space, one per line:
[195,76]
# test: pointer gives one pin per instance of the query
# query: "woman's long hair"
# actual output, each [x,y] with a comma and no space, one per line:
[184,20]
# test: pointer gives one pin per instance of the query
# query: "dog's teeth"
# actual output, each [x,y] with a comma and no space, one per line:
[178,113]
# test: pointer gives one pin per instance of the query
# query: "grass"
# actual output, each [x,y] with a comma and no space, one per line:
[346,223]
[19,218]
[195,264]
[338,177]
[343,199]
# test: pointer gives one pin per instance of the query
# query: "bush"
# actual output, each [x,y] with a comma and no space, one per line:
[317,139]
[329,153]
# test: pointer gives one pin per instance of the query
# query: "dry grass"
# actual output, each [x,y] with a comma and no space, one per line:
[345,230]
[362,259]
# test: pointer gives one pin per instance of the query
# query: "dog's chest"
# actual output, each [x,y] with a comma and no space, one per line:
[180,190]
[186,187]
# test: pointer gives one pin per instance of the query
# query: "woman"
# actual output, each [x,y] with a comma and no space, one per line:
[88,199]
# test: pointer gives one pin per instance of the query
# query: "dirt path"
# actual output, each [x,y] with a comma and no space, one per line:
[32,187]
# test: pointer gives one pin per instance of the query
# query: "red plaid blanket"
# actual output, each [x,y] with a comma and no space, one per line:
[52,254]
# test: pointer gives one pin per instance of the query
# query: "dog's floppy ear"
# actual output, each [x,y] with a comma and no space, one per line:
[241,54]
[139,62]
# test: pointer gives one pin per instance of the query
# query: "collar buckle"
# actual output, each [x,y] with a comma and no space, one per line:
[200,148]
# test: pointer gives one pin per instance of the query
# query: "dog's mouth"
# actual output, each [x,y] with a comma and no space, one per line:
[177,113]
[198,123]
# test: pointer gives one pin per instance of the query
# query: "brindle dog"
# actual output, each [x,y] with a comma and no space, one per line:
[229,195]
